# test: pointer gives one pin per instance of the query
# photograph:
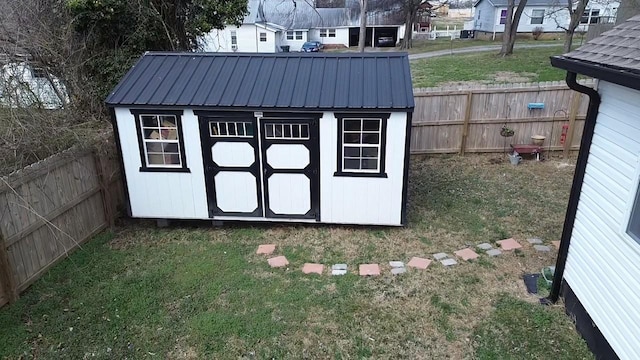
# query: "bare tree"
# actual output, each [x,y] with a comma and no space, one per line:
[363,25]
[411,9]
[511,26]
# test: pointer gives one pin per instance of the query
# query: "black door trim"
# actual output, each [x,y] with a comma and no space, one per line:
[312,170]
[211,169]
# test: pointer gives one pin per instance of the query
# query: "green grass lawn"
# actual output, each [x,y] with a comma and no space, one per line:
[487,67]
[190,291]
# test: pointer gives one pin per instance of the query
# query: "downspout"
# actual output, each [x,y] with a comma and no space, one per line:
[576,187]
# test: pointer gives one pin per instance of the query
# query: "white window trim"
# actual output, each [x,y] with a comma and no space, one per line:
[145,141]
[537,17]
[299,33]
[361,145]
[290,35]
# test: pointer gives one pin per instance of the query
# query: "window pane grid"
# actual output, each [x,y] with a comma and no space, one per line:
[286,131]
[230,129]
[361,142]
[160,140]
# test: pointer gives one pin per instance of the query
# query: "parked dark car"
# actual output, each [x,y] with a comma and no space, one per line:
[386,41]
[312,46]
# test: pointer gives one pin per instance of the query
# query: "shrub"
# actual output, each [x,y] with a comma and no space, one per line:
[537,32]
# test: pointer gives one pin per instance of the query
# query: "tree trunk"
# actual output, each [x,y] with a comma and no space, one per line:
[363,25]
[568,40]
[408,31]
[511,26]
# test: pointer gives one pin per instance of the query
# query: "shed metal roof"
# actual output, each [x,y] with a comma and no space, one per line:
[262,81]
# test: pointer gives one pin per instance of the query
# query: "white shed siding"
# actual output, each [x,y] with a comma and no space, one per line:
[362,200]
[484,16]
[603,264]
[158,194]
[295,45]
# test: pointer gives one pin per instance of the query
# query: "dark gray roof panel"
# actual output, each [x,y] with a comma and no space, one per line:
[264,81]
[617,48]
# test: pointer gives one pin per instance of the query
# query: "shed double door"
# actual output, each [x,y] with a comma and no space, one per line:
[261,167]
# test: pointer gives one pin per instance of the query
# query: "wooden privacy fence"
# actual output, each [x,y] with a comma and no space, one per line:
[50,208]
[469,119]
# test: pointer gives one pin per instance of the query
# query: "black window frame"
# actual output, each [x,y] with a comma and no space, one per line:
[635,214]
[181,148]
[381,173]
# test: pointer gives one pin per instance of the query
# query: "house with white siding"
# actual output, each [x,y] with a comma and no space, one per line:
[273,24]
[550,15]
[302,137]
[598,265]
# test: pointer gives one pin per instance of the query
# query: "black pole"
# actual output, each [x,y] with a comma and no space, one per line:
[576,187]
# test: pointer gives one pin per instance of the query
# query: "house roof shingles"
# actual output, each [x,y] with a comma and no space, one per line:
[375,81]
[617,48]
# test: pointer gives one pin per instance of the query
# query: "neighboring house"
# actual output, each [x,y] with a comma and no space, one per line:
[550,15]
[314,138]
[272,24]
[598,266]
[23,85]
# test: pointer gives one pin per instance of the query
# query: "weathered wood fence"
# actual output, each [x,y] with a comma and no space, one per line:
[50,208]
[469,119]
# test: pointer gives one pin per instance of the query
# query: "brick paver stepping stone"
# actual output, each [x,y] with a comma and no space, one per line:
[556,244]
[396,264]
[309,268]
[448,262]
[398,270]
[542,248]
[419,263]
[494,252]
[509,244]
[466,254]
[369,269]
[485,246]
[534,241]
[440,256]
[278,261]
[266,249]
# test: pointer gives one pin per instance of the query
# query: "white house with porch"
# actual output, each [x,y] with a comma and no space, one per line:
[550,15]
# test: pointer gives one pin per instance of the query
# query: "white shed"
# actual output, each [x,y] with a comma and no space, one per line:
[318,138]
[598,266]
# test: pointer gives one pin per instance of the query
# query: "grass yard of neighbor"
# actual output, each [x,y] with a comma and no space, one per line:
[192,291]
[525,65]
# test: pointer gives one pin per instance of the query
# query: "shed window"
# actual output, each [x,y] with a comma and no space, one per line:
[503,17]
[361,145]
[286,131]
[537,17]
[239,129]
[234,38]
[263,36]
[161,144]
[633,229]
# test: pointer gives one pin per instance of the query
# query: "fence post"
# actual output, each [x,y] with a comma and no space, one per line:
[465,126]
[7,281]
[576,99]
[103,182]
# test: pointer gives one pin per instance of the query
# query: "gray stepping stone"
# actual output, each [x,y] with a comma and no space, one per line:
[535,241]
[448,262]
[542,248]
[494,252]
[398,271]
[440,256]
[339,267]
[396,264]
[338,272]
[485,246]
